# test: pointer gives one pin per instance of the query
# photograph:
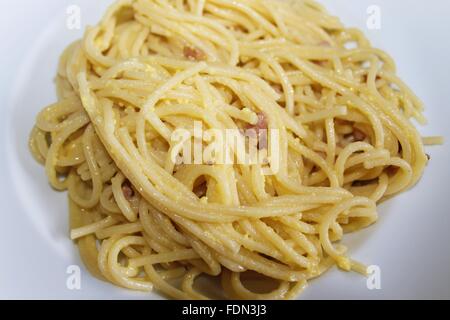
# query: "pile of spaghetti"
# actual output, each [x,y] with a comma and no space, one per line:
[150,67]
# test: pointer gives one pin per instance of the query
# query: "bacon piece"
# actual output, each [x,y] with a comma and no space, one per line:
[391,170]
[341,122]
[128,192]
[262,141]
[278,88]
[259,130]
[320,63]
[200,190]
[262,122]
[194,54]
[356,136]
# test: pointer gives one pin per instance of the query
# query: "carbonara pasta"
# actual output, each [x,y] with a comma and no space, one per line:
[143,219]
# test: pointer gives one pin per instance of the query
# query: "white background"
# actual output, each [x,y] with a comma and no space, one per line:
[410,243]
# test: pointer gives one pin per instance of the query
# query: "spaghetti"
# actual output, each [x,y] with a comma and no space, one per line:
[150,67]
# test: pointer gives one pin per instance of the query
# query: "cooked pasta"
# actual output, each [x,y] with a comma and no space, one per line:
[343,130]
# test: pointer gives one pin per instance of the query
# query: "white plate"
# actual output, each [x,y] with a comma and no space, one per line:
[410,243]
